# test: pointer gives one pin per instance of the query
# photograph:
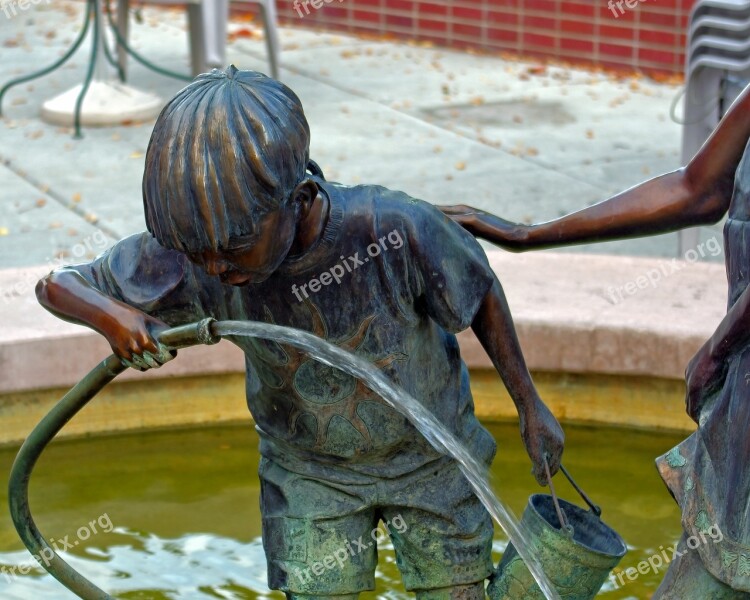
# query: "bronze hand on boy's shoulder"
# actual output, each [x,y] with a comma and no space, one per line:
[479,223]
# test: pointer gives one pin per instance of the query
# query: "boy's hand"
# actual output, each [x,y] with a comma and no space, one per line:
[543,437]
[132,335]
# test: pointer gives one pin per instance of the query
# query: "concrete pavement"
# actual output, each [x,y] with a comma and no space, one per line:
[525,141]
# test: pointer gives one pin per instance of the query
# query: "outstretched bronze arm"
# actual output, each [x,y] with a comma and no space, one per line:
[698,194]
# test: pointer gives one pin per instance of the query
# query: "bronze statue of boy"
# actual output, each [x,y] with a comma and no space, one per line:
[242,225]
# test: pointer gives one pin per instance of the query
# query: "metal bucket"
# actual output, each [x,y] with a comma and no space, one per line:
[575,547]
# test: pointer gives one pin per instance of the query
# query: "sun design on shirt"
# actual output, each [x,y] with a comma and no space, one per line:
[323,392]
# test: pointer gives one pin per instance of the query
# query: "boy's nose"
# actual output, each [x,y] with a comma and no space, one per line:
[216,267]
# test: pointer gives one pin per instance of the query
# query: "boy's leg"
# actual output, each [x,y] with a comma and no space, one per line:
[316,535]
[308,597]
[441,533]
[474,591]
[688,579]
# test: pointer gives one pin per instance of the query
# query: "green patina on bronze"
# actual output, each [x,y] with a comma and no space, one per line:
[577,563]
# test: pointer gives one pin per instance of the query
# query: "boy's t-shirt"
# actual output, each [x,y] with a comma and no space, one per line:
[391,280]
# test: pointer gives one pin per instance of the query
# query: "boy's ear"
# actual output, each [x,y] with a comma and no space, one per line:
[305,192]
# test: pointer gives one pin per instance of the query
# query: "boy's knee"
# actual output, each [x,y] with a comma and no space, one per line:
[472,591]
[291,596]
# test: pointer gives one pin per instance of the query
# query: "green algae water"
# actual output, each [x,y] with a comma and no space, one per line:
[176,514]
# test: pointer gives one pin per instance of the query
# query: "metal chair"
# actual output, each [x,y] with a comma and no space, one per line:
[207,29]
[717,67]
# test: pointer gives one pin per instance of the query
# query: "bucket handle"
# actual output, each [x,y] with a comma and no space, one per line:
[560,513]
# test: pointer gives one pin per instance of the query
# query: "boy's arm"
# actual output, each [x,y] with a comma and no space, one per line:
[541,433]
[124,294]
[130,332]
[699,194]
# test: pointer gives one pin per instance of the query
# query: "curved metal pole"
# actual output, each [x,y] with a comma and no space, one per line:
[90,71]
[56,64]
[47,429]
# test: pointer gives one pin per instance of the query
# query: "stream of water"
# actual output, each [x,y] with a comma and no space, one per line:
[428,425]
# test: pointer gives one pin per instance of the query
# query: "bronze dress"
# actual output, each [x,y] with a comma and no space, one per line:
[709,473]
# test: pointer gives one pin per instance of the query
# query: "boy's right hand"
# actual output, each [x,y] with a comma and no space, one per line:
[133,337]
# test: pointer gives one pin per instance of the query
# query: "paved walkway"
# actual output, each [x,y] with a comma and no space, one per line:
[524,141]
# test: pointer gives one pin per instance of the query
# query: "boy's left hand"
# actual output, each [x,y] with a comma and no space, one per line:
[543,437]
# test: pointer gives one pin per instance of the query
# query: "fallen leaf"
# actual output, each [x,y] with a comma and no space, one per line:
[4,231]
[76,197]
[136,154]
[460,166]
[41,202]
[590,134]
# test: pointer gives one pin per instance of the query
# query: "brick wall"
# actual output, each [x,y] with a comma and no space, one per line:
[649,37]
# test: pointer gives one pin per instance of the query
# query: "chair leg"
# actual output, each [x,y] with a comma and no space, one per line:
[123,26]
[197,42]
[216,19]
[268,13]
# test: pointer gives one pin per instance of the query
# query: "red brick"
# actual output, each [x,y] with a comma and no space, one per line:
[400,5]
[547,6]
[576,27]
[468,31]
[403,22]
[366,15]
[467,14]
[429,8]
[431,25]
[656,56]
[533,39]
[659,38]
[613,51]
[649,17]
[547,23]
[626,34]
[577,45]
[503,17]
[587,10]
[505,36]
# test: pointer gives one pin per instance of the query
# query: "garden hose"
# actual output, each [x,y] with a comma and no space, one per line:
[18,486]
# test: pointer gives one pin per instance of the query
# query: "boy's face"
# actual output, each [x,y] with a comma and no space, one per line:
[252,258]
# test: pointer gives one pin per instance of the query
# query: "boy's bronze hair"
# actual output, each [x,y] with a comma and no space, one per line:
[230,147]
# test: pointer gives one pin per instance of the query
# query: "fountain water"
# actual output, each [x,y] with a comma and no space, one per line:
[428,425]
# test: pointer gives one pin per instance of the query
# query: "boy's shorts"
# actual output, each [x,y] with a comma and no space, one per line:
[320,537]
